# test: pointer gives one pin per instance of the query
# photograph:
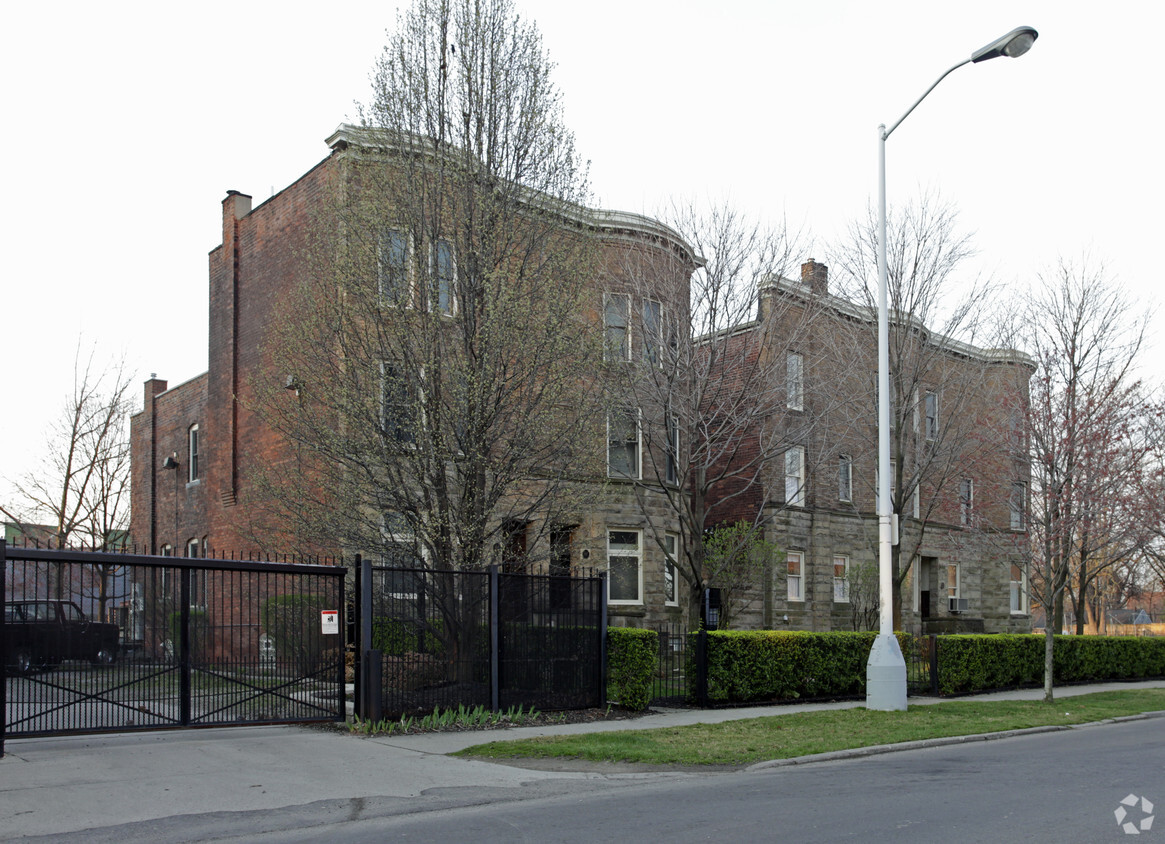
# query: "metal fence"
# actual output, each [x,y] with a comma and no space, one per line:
[104,641]
[478,638]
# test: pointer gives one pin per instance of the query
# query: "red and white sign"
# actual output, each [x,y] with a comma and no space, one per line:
[329,622]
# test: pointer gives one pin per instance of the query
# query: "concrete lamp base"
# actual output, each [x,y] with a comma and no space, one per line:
[886,675]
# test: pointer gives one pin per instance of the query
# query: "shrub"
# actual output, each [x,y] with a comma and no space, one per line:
[199,635]
[632,656]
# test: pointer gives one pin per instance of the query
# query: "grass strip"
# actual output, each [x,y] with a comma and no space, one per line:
[798,734]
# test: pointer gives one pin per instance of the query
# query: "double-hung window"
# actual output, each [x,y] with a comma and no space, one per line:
[192,453]
[1018,589]
[444,275]
[397,410]
[616,326]
[652,331]
[623,439]
[672,469]
[930,409]
[840,579]
[795,575]
[624,566]
[671,545]
[1018,506]
[393,267]
[795,476]
[966,501]
[794,381]
[845,477]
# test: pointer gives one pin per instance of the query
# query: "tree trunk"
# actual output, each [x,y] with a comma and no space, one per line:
[1049,641]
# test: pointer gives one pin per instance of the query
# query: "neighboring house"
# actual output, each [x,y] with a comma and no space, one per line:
[960,473]
[196,446]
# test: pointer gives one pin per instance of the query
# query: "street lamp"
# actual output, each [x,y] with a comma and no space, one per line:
[886,670]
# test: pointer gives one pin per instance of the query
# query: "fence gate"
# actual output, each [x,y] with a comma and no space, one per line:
[98,642]
[478,638]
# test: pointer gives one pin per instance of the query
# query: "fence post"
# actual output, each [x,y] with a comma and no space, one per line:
[934,664]
[702,667]
[603,639]
[3,650]
[361,652]
[370,692]
[494,642]
[343,678]
[184,648]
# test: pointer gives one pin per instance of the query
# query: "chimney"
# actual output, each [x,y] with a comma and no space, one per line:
[154,386]
[816,276]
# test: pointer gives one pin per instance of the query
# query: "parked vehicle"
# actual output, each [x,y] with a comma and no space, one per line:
[41,634]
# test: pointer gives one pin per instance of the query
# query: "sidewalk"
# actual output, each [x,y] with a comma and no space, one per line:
[55,786]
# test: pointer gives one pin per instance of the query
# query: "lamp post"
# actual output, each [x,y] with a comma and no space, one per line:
[886,670]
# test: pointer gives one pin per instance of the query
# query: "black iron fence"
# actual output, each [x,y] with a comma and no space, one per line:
[494,639]
[98,641]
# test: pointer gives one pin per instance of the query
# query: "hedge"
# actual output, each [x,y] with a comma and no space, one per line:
[760,665]
[971,663]
[632,658]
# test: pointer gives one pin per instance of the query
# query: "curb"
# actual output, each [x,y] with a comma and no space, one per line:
[877,749]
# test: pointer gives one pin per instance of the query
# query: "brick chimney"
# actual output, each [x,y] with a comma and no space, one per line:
[816,276]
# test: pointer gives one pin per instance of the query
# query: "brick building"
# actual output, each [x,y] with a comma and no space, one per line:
[196,447]
[959,470]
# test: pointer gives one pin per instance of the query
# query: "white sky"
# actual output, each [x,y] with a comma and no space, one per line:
[128,122]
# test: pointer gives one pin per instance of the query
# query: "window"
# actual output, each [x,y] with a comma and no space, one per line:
[192,453]
[623,443]
[652,331]
[795,476]
[397,413]
[167,550]
[624,572]
[192,548]
[672,470]
[794,381]
[444,272]
[1018,590]
[845,477]
[671,546]
[840,579]
[616,330]
[878,486]
[966,500]
[930,407]
[795,566]
[1018,506]
[953,585]
[393,267]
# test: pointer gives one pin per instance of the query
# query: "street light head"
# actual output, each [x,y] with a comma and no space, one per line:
[1014,44]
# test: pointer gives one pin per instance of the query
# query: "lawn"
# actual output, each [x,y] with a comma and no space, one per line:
[799,734]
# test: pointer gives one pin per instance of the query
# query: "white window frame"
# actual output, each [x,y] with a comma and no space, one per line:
[1017,506]
[931,411]
[450,290]
[845,477]
[627,551]
[840,581]
[795,576]
[671,552]
[637,469]
[192,454]
[402,297]
[621,350]
[795,476]
[966,501]
[1017,590]
[794,380]
[402,434]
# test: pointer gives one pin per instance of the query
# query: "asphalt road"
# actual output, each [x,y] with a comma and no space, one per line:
[1061,787]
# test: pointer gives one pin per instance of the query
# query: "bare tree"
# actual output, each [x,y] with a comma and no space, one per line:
[938,377]
[81,492]
[712,393]
[1090,436]
[443,346]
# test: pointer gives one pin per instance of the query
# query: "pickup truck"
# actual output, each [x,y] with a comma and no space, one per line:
[39,634]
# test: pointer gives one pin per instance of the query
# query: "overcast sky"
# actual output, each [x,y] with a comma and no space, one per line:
[126,123]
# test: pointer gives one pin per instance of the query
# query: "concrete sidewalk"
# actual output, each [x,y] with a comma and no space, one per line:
[196,784]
